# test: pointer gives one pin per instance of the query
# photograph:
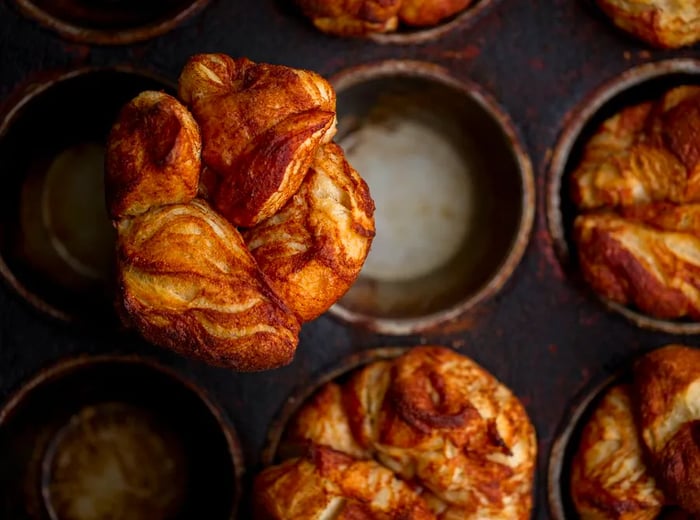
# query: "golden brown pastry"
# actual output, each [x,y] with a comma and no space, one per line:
[313,249]
[362,17]
[436,418]
[153,155]
[668,383]
[181,177]
[632,263]
[638,185]
[421,13]
[352,17]
[187,282]
[609,477]
[261,128]
[661,23]
[636,175]
[330,484]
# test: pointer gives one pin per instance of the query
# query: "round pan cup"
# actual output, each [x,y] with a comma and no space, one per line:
[117,22]
[120,435]
[568,438]
[453,189]
[56,240]
[645,82]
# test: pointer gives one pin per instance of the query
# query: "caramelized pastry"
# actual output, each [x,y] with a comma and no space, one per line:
[330,484]
[423,13]
[628,262]
[312,250]
[187,282]
[362,17]
[352,17]
[261,128]
[667,217]
[668,383]
[609,478]
[436,418]
[181,177]
[153,155]
[616,134]
[637,175]
[660,23]
[638,184]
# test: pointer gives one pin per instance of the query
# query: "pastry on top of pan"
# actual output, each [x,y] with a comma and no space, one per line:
[238,218]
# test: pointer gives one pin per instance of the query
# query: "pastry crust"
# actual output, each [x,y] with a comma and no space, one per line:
[187,282]
[668,383]
[330,484]
[261,128]
[362,17]
[632,263]
[661,23]
[181,178]
[153,155]
[638,184]
[609,477]
[312,250]
[436,418]
[352,17]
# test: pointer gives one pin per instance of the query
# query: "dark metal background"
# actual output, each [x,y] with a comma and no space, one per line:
[541,335]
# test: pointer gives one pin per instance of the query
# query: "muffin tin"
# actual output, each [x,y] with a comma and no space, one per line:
[545,69]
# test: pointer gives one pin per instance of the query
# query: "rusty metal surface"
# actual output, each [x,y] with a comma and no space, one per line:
[541,335]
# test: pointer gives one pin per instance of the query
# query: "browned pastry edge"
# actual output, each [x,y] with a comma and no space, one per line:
[211,304]
[313,249]
[670,423]
[609,479]
[655,25]
[153,155]
[649,277]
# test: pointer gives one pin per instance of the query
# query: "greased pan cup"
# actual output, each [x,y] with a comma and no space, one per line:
[393,432]
[118,22]
[116,435]
[56,240]
[633,87]
[453,191]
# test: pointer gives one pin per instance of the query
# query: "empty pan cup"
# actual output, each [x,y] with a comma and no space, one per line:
[112,22]
[453,190]
[56,240]
[117,437]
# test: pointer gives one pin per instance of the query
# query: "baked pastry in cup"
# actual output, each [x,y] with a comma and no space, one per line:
[639,451]
[326,483]
[435,419]
[182,185]
[660,23]
[362,17]
[637,187]
[609,476]
[668,382]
